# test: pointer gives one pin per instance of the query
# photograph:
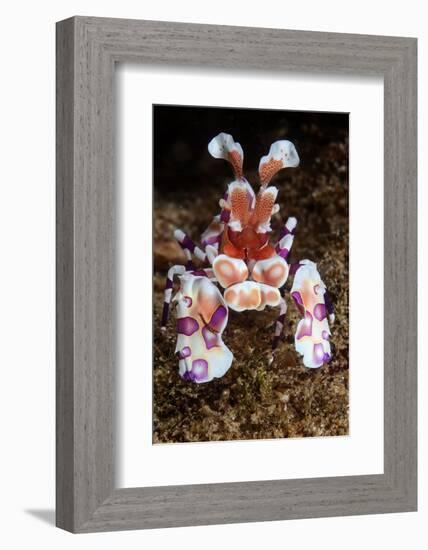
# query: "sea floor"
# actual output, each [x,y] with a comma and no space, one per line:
[255,400]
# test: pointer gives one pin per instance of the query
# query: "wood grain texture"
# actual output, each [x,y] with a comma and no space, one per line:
[87,49]
[64,277]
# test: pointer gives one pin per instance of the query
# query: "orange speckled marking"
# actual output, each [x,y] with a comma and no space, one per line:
[263,209]
[240,206]
[235,160]
[269,169]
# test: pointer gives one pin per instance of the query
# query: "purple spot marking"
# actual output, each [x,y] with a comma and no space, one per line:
[285,231]
[294,268]
[188,301]
[188,243]
[188,376]
[185,352]
[218,319]
[187,326]
[211,338]
[199,369]
[320,312]
[165,311]
[319,354]
[328,303]
[298,301]
[211,240]
[305,327]
[283,252]
[325,335]
[168,283]
[297,298]
[225,215]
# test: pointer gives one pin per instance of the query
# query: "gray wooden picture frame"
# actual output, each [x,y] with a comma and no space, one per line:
[87,50]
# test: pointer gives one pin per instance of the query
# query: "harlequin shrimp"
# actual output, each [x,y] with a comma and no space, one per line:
[239,258]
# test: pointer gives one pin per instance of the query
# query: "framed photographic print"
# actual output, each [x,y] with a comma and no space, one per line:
[236,274]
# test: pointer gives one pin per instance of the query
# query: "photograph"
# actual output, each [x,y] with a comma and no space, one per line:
[250,274]
[210,327]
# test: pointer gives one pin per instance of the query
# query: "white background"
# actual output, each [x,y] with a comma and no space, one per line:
[212,462]
[27,285]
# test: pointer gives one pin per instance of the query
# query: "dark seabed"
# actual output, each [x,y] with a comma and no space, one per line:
[253,400]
